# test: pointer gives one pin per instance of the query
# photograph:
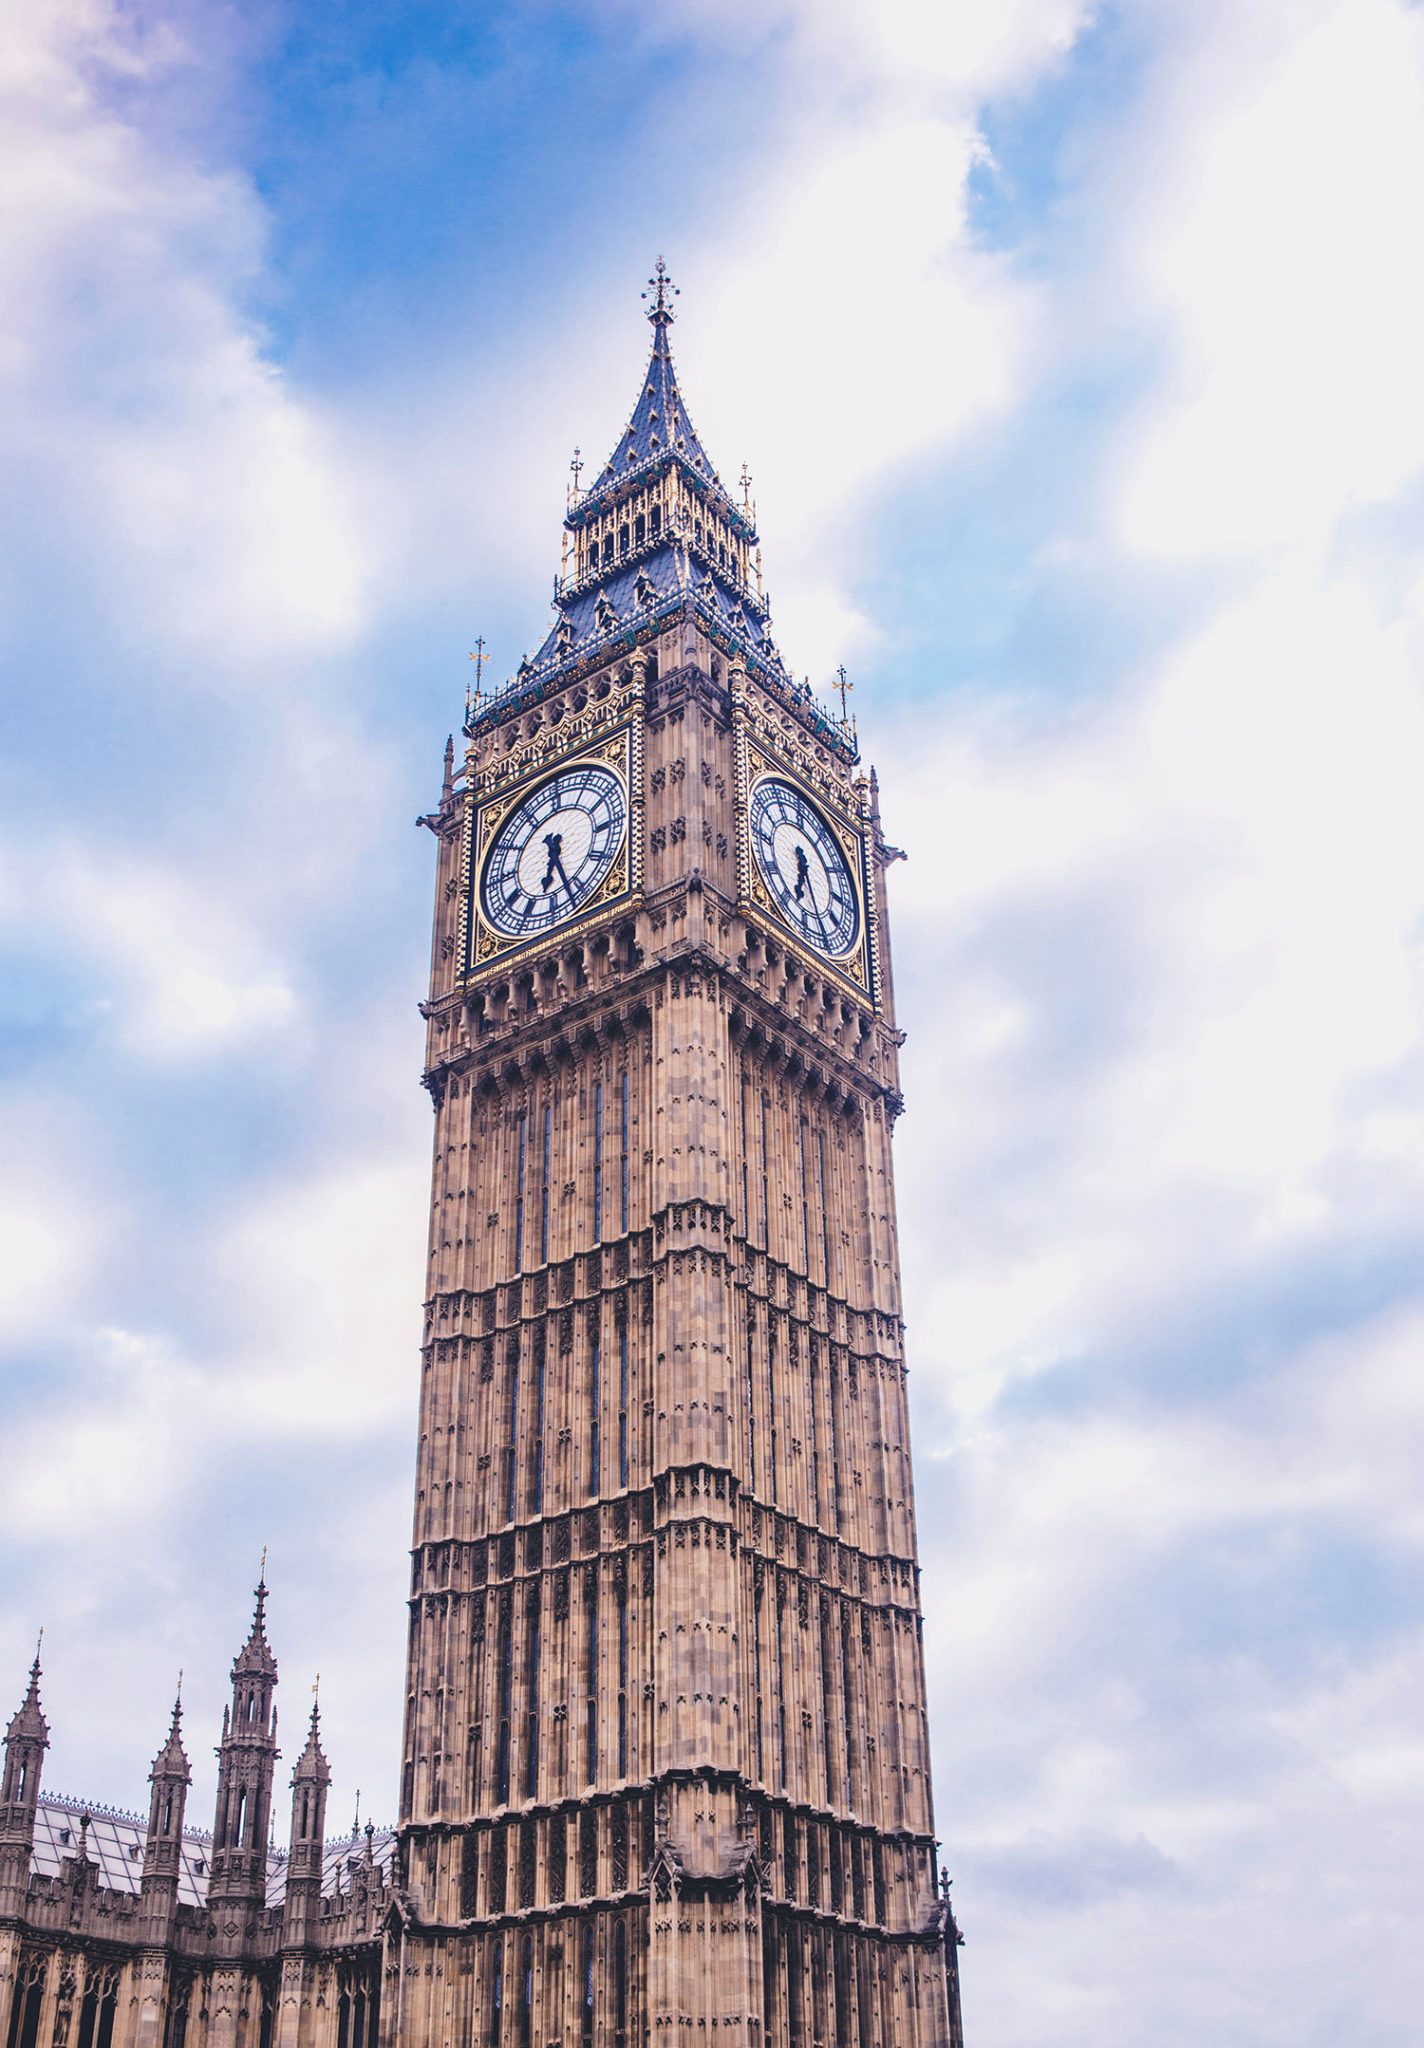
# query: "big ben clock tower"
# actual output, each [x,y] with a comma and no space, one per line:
[666,1766]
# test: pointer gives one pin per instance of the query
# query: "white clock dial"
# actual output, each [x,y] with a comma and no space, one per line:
[802,864]
[553,850]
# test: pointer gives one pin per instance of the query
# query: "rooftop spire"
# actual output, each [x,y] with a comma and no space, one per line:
[172,1759]
[29,1721]
[312,1762]
[658,426]
[256,1652]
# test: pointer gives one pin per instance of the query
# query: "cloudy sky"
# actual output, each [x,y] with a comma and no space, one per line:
[1076,354]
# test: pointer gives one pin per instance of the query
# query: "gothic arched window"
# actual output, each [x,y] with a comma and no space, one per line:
[586,1990]
[526,1991]
[620,1986]
[590,1676]
[620,1848]
[623,1680]
[496,2015]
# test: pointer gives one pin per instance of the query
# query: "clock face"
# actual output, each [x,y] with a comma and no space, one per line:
[802,864]
[553,850]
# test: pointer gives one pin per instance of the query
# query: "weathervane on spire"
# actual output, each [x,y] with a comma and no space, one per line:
[576,469]
[844,686]
[663,292]
[472,698]
[745,480]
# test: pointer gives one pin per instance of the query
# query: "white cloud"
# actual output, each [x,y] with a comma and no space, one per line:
[911,48]
[141,414]
[58,1223]
[326,1277]
[898,335]
[1130,1597]
[849,273]
[1271,232]
[140,1413]
[172,967]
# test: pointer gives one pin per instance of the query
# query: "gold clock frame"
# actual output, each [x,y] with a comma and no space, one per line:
[479,946]
[855,969]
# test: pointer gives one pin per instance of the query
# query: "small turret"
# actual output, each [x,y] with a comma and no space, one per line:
[310,1781]
[247,1757]
[170,1778]
[26,1740]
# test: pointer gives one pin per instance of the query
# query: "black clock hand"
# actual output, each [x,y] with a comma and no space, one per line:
[556,866]
[554,841]
[825,935]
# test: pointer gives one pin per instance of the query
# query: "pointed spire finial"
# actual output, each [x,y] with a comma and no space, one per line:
[745,480]
[662,292]
[473,697]
[35,1672]
[576,471]
[171,1757]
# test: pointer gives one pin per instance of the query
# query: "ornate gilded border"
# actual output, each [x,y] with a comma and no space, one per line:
[480,947]
[855,969]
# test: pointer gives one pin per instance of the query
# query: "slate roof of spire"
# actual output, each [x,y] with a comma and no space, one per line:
[638,591]
[659,423]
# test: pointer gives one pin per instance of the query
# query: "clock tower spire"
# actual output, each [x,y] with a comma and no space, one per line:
[666,1762]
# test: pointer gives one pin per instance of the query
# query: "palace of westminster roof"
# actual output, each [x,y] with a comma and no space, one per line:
[113,1842]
